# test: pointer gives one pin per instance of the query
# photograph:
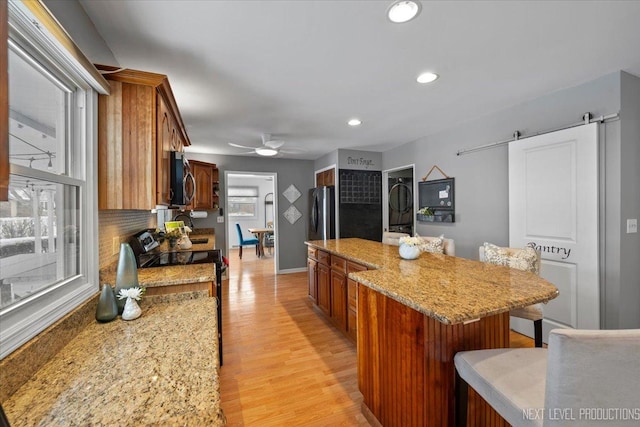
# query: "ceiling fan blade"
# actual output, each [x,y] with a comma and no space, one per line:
[241,146]
[274,144]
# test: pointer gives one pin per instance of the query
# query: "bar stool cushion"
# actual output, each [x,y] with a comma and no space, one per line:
[508,379]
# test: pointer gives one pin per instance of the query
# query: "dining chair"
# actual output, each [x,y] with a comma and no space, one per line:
[585,376]
[527,259]
[392,237]
[269,238]
[246,242]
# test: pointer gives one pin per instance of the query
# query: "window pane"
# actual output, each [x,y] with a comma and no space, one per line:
[38,116]
[243,207]
[39,237]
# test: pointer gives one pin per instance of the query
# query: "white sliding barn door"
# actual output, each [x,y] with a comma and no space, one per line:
[553,206]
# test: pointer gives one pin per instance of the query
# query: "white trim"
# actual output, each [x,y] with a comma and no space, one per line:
[385,195]
[293,270]
[276,227]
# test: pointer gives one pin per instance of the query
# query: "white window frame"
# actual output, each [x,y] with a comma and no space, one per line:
[25,319]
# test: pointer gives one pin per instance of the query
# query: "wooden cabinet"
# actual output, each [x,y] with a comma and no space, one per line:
[339,292]
[207,185]
[326,178]
[312,272]
[331,289]
[324,288]
[352,300]
[138,126]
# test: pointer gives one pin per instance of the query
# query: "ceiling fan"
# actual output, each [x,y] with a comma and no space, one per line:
[270,147]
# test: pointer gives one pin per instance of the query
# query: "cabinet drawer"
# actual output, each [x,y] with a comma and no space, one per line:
[312,253]
[353,267]
[338,263]
[324,257]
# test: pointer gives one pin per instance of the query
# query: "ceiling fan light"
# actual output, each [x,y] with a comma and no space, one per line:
[354,122]
[427,77]
[266,151]
[403,11]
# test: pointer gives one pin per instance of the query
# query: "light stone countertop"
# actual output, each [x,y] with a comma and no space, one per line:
[160,369]
[449,289]
[171,275]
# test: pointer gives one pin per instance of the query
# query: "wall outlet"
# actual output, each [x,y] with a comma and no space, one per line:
[116,245]
[632,225]
[220,219]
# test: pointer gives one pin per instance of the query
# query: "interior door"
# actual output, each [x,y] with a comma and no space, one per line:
[553,206]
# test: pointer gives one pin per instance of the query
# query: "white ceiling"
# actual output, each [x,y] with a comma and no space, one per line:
[300,69]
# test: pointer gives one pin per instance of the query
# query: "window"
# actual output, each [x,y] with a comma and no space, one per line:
[243,202]
[47,264]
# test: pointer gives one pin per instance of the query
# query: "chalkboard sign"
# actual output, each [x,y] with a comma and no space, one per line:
[438,196]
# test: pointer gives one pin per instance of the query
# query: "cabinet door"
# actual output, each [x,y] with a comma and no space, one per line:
[352,300]
[339,299]
[166,139]
[312,273]
[324,288]
[203,175]
[126,168]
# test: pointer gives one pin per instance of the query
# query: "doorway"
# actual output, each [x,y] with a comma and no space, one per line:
[250,203]
[399,199]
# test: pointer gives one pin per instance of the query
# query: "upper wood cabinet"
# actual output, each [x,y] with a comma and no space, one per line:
[4,104]
[326,178]
[138,126]
[207,185]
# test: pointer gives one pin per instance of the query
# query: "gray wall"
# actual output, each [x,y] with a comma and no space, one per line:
[482,205]
[629,298]
[81,29]
[293,252]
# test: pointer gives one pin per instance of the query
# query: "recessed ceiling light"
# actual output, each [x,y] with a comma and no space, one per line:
[354,122]
[427,77]
[266,151]
[403,11]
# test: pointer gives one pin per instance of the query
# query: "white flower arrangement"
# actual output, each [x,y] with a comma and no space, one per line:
[135,293]
[411,241]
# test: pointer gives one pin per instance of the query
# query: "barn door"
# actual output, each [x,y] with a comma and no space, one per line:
[553,206]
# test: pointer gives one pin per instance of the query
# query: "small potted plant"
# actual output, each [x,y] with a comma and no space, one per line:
[426,214]
[131,308]
[410,247]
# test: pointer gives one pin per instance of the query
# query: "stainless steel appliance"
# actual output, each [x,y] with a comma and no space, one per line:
[145,247]
[322,220]
[183,183]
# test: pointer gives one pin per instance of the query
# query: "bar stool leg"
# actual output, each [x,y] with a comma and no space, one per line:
[537,332]
[462,398]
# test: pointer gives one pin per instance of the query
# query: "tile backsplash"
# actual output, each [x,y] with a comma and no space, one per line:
[122,224]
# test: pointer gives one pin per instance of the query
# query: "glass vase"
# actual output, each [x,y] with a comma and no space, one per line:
[126,274]
[107,309]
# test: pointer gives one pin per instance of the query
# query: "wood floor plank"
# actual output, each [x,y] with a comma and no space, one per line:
[284,364]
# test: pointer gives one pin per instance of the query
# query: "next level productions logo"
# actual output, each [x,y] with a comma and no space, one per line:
[582,414]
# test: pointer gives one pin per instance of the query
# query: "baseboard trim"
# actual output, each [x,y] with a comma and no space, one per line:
[293,270]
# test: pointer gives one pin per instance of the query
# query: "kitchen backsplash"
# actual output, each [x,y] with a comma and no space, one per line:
[122,224]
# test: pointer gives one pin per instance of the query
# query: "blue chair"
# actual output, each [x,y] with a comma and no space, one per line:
[247,242]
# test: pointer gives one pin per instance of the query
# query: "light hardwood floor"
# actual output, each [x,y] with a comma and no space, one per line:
[284,365]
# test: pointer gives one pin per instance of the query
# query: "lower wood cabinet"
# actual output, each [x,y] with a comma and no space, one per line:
[332,291]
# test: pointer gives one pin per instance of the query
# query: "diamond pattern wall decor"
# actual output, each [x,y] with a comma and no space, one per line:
[292,214]
[291,194]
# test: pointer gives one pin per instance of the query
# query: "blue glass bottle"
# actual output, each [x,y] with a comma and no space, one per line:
[126,274]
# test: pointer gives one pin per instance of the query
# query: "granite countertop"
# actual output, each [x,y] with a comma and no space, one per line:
[449,289]
[160,369]
[172,275]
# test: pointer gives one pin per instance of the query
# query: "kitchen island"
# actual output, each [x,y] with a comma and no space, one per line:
[413,316]
[160,369]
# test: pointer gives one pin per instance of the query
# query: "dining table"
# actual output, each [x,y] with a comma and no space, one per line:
[260,233]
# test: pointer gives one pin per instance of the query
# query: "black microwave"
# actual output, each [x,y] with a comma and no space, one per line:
[183,184]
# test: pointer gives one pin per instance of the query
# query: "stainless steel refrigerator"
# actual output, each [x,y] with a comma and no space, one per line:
[322,213]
